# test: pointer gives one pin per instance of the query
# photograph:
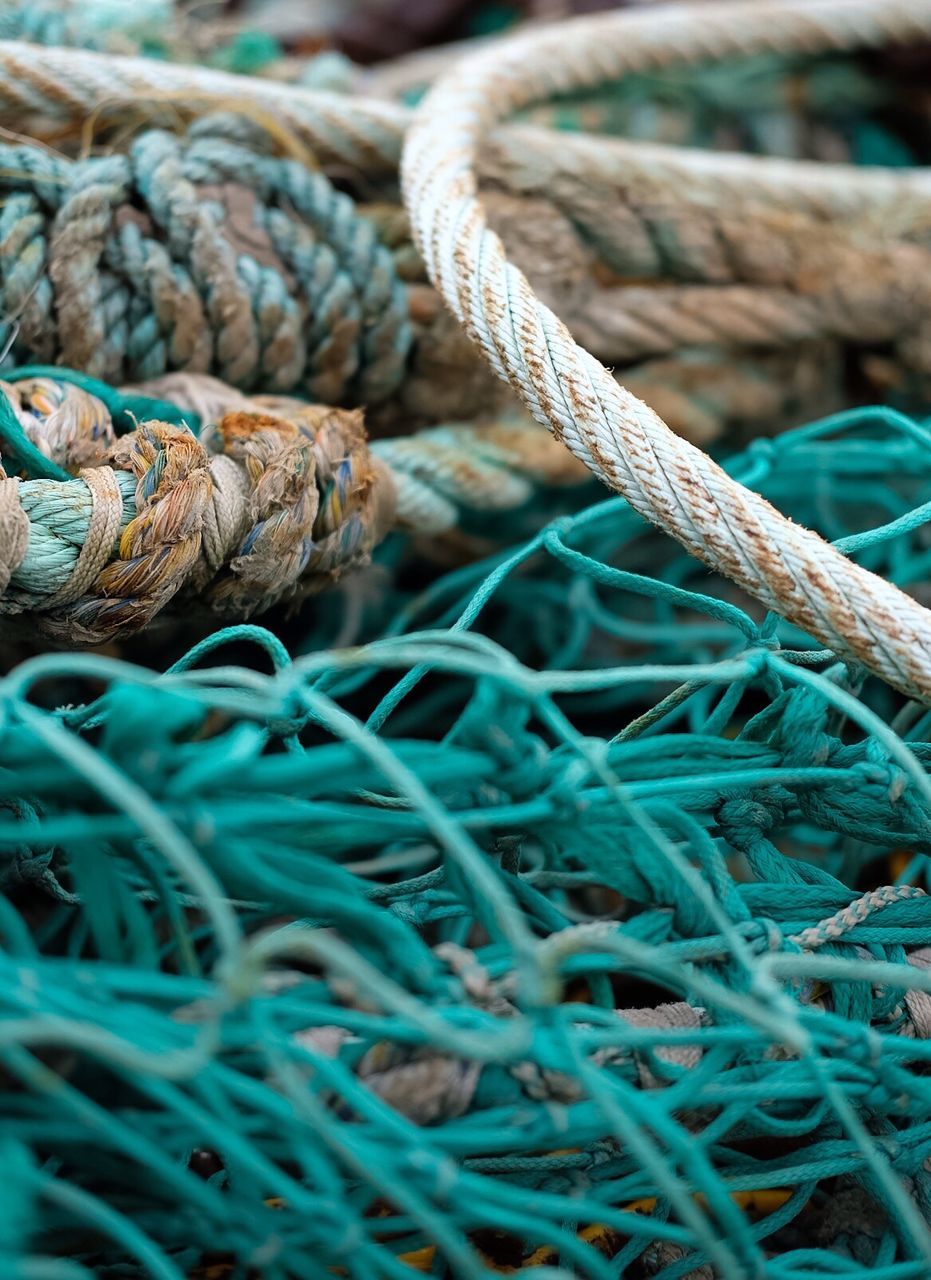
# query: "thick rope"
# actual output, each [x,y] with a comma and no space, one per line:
[73,85]
[206,254]
[276,499]
[673,484]
[851,241]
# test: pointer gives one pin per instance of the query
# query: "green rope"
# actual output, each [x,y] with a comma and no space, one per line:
[555,921]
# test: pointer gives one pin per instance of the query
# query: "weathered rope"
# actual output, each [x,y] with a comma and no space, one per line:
[620,439]
[276,497]
[66,86]
[108,25]
[207,254]
[852,247]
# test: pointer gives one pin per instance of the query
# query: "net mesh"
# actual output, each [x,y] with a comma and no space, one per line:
[573,921]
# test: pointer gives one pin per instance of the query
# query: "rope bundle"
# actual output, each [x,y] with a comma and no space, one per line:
[657,257]
[276,498]
[575,921]
[203,255]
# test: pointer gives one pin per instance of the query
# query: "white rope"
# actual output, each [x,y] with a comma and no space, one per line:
[669,481]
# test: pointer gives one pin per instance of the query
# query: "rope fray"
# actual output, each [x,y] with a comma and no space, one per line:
[275,499]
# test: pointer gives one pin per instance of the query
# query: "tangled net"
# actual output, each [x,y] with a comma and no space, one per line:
[573,923]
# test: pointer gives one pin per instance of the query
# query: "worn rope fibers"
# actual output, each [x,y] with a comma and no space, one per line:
[273,500]
[596,963]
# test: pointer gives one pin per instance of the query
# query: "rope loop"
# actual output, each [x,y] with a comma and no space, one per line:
[789,569]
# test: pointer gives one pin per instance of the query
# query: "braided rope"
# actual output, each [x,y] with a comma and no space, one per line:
[670,482]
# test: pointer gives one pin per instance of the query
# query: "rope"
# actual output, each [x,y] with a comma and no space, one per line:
[619,438]
[207,254]
[852,246]
[291,962]
[277,498]
[366,134]
[98,24]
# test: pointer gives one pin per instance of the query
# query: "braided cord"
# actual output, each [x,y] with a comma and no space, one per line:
[626,444]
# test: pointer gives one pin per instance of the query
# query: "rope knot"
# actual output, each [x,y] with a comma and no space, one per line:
[744,820]
[283,501]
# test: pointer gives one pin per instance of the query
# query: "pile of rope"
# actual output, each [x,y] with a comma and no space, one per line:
[575,918]
[659,258]
[584,967]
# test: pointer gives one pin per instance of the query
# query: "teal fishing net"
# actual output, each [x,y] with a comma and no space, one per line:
[572,920]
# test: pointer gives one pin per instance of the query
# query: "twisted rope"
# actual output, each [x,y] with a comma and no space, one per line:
[852,251]
[367,133]
[203,254]
[276,498]
[670,482]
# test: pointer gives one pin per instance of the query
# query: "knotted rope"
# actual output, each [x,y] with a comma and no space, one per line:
[618,437]
[274,499]
[207,254]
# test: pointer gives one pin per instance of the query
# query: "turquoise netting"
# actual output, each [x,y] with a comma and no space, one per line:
[541,929]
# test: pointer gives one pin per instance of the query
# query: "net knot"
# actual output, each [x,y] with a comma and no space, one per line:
[743,820]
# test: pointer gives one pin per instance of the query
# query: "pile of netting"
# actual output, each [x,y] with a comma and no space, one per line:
[572,921]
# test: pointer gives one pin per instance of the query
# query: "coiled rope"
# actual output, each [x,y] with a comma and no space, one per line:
[203,254]
[623,442]
[853,249]
[274,499]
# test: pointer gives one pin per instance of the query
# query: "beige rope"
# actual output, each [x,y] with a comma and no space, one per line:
[852,244]
[623,442]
